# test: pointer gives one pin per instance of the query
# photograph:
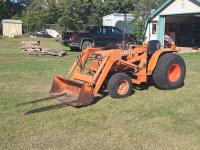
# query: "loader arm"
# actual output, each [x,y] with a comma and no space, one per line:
[102,73]
[96,80]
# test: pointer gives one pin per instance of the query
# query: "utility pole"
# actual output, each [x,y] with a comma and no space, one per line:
[125,8]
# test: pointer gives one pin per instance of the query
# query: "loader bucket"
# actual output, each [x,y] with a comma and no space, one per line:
[75,94]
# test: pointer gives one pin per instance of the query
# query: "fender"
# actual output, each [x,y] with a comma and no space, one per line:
[86,39]
[154,59]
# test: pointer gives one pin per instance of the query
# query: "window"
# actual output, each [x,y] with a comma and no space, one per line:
[154,28]
[116,31]
[95,30]
[92,29]
[106,30]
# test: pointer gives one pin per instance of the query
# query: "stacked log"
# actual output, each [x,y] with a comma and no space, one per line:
[33,48]
[53,52]
[30,46]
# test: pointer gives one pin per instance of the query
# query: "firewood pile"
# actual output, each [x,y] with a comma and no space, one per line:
[33,48]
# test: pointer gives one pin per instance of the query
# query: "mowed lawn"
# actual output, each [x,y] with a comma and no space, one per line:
[150,119]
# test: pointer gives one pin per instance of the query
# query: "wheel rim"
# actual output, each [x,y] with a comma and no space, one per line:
[87,45]
[174,73]
[123,87]
[129,44]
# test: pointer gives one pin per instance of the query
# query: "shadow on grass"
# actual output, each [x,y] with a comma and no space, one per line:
[56,106]
[40,100]
[102,95]
[47,108]
[142,87]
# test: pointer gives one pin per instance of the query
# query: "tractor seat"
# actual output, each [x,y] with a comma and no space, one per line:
[153,46]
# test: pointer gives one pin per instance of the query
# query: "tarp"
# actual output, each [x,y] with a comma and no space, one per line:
[52,33]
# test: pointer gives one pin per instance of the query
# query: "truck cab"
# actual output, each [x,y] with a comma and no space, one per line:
[97,36]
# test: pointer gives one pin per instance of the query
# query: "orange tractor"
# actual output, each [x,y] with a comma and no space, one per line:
[117,70]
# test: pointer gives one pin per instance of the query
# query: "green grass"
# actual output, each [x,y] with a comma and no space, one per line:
[149,119]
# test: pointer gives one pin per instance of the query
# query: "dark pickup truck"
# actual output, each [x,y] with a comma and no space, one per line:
[96,36]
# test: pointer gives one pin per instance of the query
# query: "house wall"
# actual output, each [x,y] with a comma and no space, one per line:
[9,27]
[107,22]
[111,20]
[149,35]
[175,8]
[180,7]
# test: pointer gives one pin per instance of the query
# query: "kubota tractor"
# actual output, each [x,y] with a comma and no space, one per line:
[116,70]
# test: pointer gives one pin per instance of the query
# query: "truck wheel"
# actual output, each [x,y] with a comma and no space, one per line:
[169,72]
[129,43]
[86,44]
[119,85]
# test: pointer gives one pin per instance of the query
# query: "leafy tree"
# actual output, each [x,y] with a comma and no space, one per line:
[142,12]
[74,14]
[9,9]
[35,16]
[4,7]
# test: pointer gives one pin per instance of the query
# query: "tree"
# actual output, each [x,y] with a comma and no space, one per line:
[35,16]
[9,9]
[141,14]
[74,14]
[80,12]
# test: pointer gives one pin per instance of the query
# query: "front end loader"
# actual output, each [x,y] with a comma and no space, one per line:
[117,70]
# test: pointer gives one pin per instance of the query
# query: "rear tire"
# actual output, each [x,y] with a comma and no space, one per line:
[86,44]
[119,85]
[169,72]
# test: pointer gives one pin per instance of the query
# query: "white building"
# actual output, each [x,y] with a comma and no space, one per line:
[180,19]
[12,27]
[117,20]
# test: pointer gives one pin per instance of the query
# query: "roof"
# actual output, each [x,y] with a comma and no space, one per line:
[166,4]
[118,14]
[11,21]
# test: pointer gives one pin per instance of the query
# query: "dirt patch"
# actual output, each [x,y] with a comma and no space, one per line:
[8,59]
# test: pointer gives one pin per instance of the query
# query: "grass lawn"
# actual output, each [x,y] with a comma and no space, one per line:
[149,119]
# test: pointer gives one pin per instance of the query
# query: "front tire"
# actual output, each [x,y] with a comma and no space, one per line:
[86,44]
[119,85]
[169,72]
